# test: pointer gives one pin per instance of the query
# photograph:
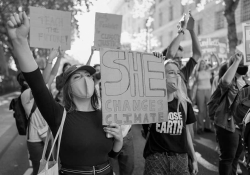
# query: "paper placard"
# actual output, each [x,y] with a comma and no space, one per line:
[215,45]
[108,29]
[246,42]
[50,28]
[133,88]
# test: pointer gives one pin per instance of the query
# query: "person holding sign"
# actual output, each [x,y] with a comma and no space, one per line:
[168,143]
[84,147]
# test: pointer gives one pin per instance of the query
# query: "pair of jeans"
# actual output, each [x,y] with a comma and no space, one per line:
[202,98]
[35,154]
[162,164]
[126,156]
[230,144]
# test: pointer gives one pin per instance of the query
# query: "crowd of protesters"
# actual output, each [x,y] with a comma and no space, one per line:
[88,147]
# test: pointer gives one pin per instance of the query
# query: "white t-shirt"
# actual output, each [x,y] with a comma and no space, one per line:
[38,126]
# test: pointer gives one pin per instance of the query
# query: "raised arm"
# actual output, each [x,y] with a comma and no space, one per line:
[218,63]
[174,45]
[230,73]
[47,72]
[90,57]
[18,36]
[18,29]
[195,42]
[56,67]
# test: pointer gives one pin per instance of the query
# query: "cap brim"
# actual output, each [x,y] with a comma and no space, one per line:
[88,68]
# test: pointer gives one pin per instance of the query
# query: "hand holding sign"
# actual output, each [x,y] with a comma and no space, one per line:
[53,54]
[18,26]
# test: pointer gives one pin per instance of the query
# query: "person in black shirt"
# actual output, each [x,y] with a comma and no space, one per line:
[168,142]
[84,148]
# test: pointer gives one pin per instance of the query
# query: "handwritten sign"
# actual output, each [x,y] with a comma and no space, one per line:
[107,30]
[216,45]
[50,28]
[133,88]
[246,43]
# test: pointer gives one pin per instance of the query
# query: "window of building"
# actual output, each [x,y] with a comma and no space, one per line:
[245,12]
[160,19]
[171,15]
[199,27]
[219,20]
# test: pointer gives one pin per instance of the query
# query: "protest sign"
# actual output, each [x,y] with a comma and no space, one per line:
[215,45]
[107,30]
[133,88]
[50,28]
[246,42]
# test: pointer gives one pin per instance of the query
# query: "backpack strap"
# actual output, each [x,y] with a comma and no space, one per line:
[31,112]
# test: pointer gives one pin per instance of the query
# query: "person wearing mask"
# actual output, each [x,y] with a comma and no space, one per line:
[228,126]
[203,74]
[167,145]
[37,126]
[84,148]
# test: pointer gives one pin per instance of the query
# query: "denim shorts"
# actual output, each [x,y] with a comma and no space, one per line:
[164,164]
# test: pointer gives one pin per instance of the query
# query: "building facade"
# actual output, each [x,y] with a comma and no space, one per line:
[210,22]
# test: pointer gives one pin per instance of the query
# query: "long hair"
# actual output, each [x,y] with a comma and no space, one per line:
[20,78]
[180,94]
[68,98]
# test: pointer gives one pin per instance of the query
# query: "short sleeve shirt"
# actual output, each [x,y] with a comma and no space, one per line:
[170,136]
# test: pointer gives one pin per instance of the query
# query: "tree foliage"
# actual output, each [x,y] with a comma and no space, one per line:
[10,6]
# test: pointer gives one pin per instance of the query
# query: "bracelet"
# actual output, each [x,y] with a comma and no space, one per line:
[181,31]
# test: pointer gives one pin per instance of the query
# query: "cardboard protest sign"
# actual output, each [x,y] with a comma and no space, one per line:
[246,43]
[50,28]
[108,29]
[133,88]
[216,45]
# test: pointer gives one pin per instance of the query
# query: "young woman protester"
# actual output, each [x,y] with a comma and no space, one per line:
[84,147]
[169,142]
[203,75]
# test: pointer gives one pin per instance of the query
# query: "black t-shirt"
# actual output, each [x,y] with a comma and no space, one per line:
[170,136]
[187,70]
[84,142]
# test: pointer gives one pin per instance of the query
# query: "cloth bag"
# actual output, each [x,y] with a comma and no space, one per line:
[50,167]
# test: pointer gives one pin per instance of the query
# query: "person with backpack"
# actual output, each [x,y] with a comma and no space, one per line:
[167,144]
[36,128]
[85,147]
[221,104]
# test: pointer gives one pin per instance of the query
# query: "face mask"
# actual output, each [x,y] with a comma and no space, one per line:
[98,76]
[242,70]
[83,88]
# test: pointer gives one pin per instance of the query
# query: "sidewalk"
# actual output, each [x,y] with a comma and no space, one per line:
[8,130]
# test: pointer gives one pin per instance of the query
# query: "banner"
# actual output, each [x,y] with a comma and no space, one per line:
[246,42]
[216,45]
[133,88]
[108,29]
[50,28]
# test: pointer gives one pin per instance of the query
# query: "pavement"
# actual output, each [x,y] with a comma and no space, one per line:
[14,155]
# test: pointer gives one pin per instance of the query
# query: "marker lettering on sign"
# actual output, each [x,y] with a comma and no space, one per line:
[133,88]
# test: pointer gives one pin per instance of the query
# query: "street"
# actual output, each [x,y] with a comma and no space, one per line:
[14,156]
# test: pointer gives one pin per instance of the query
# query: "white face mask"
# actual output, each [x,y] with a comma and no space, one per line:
[83,87]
